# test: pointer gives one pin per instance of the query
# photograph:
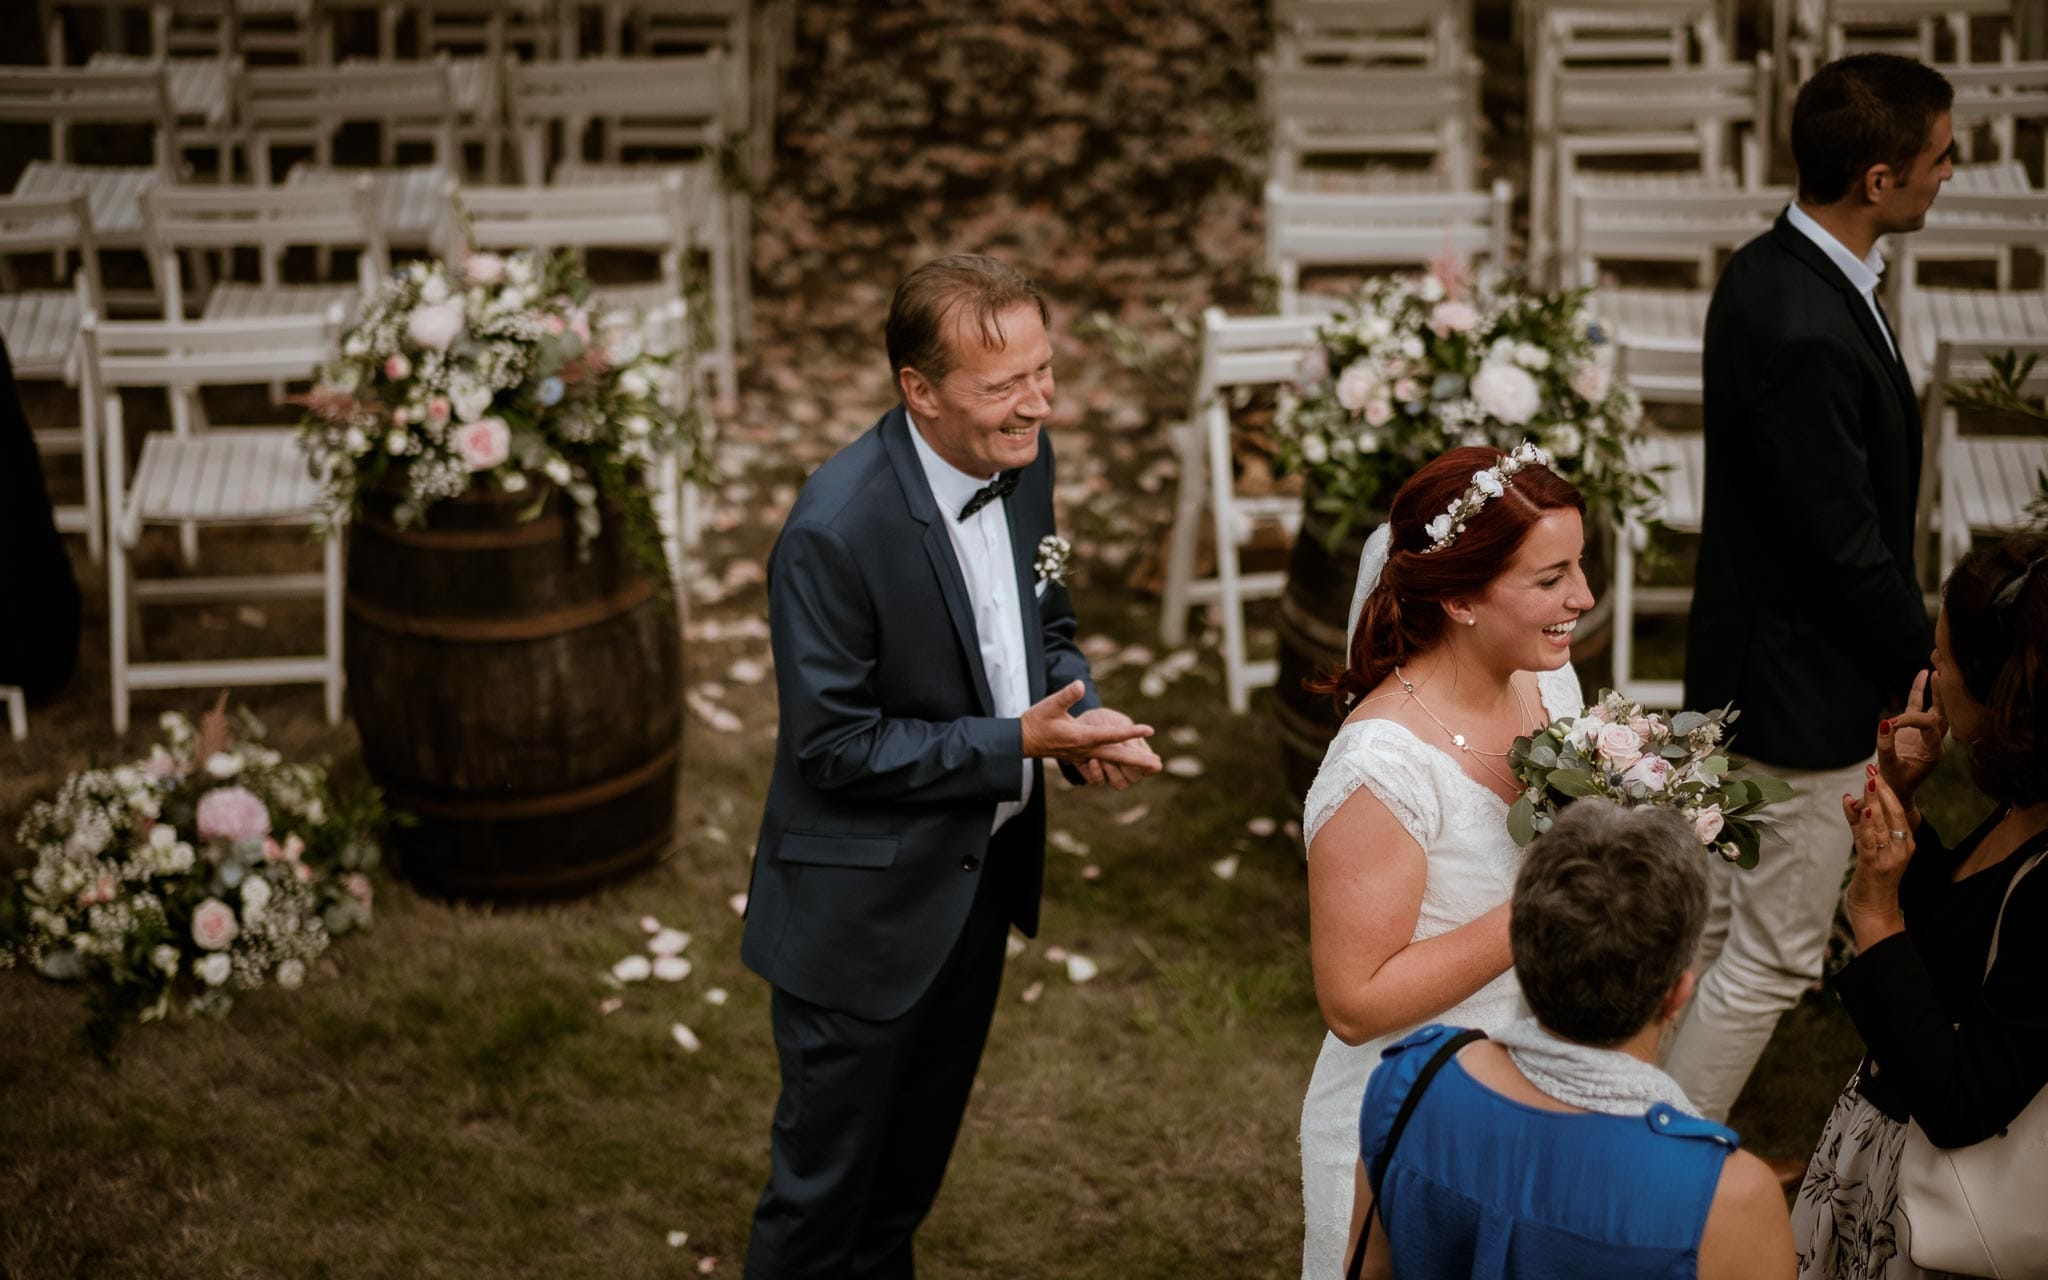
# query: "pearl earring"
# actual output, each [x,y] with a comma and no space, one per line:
[1471,622]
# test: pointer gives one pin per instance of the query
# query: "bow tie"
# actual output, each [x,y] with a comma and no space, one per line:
[994,491]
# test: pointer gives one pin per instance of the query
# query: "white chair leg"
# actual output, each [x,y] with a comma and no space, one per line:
[1229,594]
[118,606]
[330,553]
[95,501]
[1186,536]
[1624,605]
[17,711]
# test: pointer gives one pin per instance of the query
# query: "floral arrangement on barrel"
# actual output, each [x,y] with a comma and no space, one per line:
[1418,365]
[211,868]
[498,371]
[1617,750]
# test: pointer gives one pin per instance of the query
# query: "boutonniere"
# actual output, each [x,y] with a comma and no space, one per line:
[1054,555]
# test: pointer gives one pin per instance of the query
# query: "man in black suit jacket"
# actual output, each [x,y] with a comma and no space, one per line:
[925,666]
[1807,611]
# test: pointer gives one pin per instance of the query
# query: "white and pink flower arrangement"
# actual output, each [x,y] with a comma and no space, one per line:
[501,372]
[1619,751]
[210,868]
[1416,365]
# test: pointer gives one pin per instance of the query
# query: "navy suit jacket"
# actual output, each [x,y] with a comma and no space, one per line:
[889,759]
[1806,612]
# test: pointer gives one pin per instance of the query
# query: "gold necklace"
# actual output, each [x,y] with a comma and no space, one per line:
[1458,739]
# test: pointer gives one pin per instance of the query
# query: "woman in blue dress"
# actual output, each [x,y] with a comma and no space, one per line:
[1556,1149]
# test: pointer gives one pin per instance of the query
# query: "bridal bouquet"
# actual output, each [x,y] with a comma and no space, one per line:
[1419,365]
[1620,752]
[498,371]
[210,868]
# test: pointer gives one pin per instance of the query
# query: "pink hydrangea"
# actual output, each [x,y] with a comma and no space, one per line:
[232,813]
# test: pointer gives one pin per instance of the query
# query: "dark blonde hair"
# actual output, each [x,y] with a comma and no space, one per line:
[926,301]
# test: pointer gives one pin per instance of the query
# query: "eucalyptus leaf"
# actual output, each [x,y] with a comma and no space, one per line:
[1573,782]
[1522,820]
[1770,790]
[1544,754]
[1686,721]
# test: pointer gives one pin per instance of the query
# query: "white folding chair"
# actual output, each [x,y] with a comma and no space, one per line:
[738,28]
[677,502]
[222,476]
[1372,32]
[1427,112]
[41,328]
[1965,225]
[17,711]
[1661,370]
[308,106]
[1237,352]
[1616,224]
[1321,229]
[645,112]
[1635,122]
[202,223]
[1985,481]
[1998,97]
[651,211]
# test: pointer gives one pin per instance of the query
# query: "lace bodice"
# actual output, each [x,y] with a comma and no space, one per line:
[1461,825]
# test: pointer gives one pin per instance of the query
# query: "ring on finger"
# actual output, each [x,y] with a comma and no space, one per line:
[1898,836]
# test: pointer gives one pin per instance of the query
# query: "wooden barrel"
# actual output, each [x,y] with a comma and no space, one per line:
[522,701]
[1320,579]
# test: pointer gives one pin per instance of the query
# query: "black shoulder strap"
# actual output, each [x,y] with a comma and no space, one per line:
[1377,1175]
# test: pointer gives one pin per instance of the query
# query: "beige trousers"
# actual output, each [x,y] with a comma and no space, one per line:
[1766,935]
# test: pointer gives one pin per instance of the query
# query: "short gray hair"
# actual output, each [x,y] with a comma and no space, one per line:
[1607,913]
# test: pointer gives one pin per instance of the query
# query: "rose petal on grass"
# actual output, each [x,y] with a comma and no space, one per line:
[1032,993]
[1136,813]
[1262,827]
[648,924]
[1186,735]
[1184,767]
[686,1038]
[677,1239]
[1091,872]
[632,969]
[1055,955]
[1152,686]
[1292,828]
[1013,946]
[1225,868]
[738,903]
[717,995]
[610,1004]
[1081,969]
[746,671]
[671,968]
[1066,842]
[668,942]
[706,1265]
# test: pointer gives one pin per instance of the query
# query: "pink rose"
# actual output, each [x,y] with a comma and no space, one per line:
[1619,745]
[1378,413]
[1651,771]
[1356,385]
[293,847]
[1708,824]
[1407,391]
[272,850]
[214,925]
[435,325]
[1600,712]
[302,871]
[553,324]
[398,367]
[1447,318]
[359,888]
[484,443]
[232,813]
[1643,726]
[437,408]
[484,268]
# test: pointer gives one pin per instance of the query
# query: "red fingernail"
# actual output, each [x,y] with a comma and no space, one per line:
[1884,726]
[1871,785]
[1870,770]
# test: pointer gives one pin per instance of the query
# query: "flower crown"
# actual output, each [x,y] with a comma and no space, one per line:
[1488,484]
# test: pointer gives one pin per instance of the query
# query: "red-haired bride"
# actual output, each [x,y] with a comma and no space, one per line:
[1466,601]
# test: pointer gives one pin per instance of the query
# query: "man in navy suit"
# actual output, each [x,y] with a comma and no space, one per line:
[925,669]
[1807,612]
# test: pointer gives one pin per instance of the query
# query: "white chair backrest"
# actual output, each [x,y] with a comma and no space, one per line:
[309,105]
[1350,110]
[44,224]
[66,97]
[1908,26]
[1429,32]
[1314,229]
[270,220]
[1244,351]
[1654,226]
[487,28]
[1634,111]
[670,105]
[1576,32]
[1969,226]
[626,215]
[128,353]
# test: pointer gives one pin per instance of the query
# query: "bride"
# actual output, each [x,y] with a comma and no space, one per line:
[1461,643]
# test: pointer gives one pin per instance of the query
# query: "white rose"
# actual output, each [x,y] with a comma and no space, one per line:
[181,857]
[1506,392]
[1582,731]
[213,969]
[165,957]
[519,269]
[514,482]
[470,400]
[1650,771]
[435,327]
[290,974]
[634,383]
[1343,448]
[255,894]
[162,837]
[484,268]
[1430,289]
[434,290]
[397,444]
[1411,346]
[1313,449]
[1707,823]
[1531,356]
[222,764]
[638,425]
[1356,385]
[355,442]
[1567,440]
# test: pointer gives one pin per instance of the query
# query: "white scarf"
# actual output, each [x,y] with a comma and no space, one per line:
[1604,1080]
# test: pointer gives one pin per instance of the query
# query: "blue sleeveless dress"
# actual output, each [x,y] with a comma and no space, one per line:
[1491,1189]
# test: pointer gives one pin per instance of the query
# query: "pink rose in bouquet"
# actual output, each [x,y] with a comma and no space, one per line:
[1650,771]
[232,813]
[214,925]
[484,443]
[1619,745]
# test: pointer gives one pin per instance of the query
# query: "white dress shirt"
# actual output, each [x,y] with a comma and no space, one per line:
[982,544]
[1864,273]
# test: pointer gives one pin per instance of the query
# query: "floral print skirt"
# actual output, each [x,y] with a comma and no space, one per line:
[1847,1222]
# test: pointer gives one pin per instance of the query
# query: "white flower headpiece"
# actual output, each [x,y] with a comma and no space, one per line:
[1486,485]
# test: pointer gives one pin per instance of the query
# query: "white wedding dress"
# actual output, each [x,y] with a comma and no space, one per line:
[1462,828]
